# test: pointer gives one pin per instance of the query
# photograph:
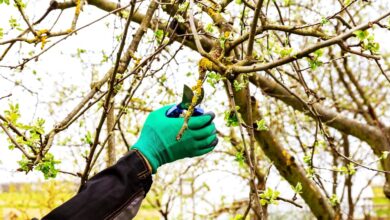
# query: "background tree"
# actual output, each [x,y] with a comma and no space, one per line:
[302,87]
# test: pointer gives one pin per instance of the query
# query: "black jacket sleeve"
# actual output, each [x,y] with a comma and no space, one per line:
[109,192]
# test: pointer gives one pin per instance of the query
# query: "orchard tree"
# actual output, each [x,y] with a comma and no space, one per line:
[301,87]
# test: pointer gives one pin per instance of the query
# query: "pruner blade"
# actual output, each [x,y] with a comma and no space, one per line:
[188,94]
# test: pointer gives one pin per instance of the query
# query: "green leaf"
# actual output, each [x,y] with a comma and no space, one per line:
[231,118]
[307,159]
[24,164]
[261,125]
[213,78]
[209,28]
[240,159]
[222,41]
[12,115]
[47,166]
[298,188]
[310,172]
[334,200]
[361,35]
[384,155]
[351,168]
[238,85]
[288,2]
[269,196]
[183,7]
[88,139]
[371,46]
[324,21]
[318,53]
[286,51]
[238,217]
[1,32]
[180,18]
[4,1]
[13,23]
[159,35]
[347,2]
[314,63]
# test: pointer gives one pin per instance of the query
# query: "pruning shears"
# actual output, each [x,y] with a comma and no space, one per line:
[178,110]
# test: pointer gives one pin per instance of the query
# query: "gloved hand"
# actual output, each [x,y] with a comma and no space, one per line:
[158,137]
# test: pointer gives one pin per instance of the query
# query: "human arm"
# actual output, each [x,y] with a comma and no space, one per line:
[126,183]
[106,194]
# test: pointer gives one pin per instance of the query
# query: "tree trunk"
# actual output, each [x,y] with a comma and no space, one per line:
[285,163]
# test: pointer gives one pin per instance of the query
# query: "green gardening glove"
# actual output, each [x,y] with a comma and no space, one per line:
[158,137]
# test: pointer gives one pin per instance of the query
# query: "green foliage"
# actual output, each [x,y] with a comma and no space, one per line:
[238,85]
[307,159]
[210,28]
[324,21]
[298,188]
[384,155]
[269,196]
[13,23]
[346,170]
[286,51]
[240,159]
[367,40]
[104,58]
[180,18]
[261,125]
[347,2]
[314,61]
[222,41]
[213,78]
[80,51]
[24,164]
[361,35]
[88,139]
[4,1]
[288,2]
[310,172]
[21,3]
[35,130]
[1,32]
[334,200]
[47,166]
[314,64]
[183,7]
[159,34]
[388,24]
[231,118]
[371,45]
[242,83]
[12,115]
[238,217]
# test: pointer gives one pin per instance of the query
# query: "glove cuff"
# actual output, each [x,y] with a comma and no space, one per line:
[154,163]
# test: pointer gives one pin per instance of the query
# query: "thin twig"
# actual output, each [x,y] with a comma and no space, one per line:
[6,96]
[252,32]
[20,8]
[68,35]
[17,145]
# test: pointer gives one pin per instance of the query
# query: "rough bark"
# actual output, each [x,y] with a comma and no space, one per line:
[374,136]
[285,162]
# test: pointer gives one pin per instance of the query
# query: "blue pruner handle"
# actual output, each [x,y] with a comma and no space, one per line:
[175,111]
